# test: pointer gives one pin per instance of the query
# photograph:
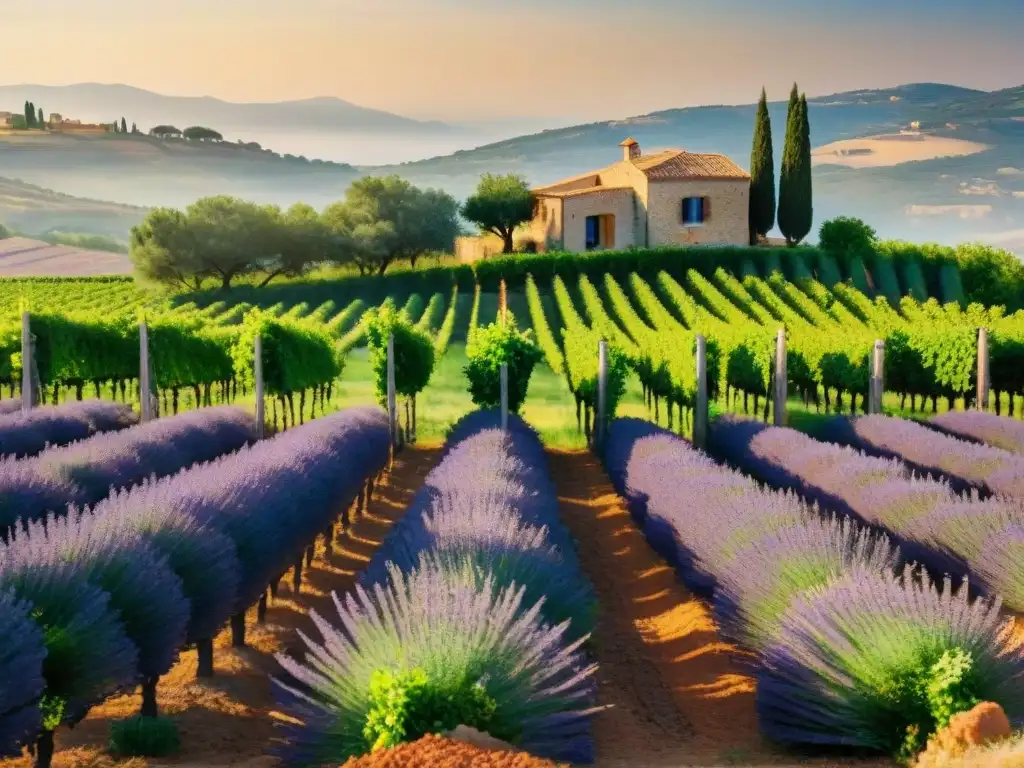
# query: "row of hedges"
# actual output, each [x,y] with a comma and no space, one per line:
[987,275]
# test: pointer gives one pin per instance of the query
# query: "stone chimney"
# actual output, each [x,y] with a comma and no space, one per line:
[630,150]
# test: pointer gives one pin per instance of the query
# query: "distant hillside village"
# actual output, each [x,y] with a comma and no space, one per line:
[33,120]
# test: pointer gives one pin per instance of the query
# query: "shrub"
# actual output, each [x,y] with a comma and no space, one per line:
[460,637]
[846,237]
[22,651]
[88,654]
[496,344]
[881,663]
[144,737]
[407,705]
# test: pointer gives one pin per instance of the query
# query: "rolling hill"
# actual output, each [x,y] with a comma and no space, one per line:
[101,102]
[945,199]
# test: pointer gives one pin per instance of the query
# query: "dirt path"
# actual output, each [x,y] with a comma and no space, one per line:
[678,697]
[228,720]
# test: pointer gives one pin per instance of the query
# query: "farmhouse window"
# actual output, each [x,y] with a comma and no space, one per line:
[696,210]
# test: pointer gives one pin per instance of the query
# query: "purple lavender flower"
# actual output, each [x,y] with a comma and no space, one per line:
[965,464]
[30,434]
[84,472]
[949,534]
[439,621]
[270,499]
[754,548]
[143,590]
[999,431]
[491,501]
[21,674]
[850,660]
[202,557]
[88,654]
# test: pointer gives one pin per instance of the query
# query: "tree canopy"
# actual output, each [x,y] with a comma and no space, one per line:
[499,205]
[201,133]
[387,219]
[221,238]
[161,131]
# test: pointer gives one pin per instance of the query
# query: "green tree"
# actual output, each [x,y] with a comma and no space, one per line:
[164,131]
[200,133]
[163,250]
[845,237]
[795,205]
[232,237]
[40,119]
[30,115]
[385,219]
[135,129]
[762,174]
[124,125]
[301,240]
[499,205]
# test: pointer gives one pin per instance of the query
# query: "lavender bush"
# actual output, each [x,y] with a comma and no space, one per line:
[143,590]
[22,651]
[876,662]
[946,532]
[88,654]
[84,472]
[10,405]
[491,500]
[203,558]
[462,637]
[29,434]
[755,549]
[965,464]
[998,431]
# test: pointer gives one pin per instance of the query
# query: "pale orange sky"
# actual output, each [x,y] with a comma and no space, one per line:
[462,60]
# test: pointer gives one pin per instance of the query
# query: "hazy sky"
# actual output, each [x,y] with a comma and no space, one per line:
[492,59]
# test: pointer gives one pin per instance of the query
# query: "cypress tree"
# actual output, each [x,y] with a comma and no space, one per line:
[762,174]
[30,115]
[135,128]
[788,194]
[124,125]
[42,120]
[805,209]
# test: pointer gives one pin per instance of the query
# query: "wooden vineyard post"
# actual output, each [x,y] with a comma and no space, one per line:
[700,413]
[257,369]
[29,394]
[504,397]
[781,379]
[983,379]
[145,380]
[502,301]
[602,392]
[392,398]
[877,378]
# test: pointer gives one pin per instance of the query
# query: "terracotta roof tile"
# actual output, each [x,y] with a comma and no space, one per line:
[584,191]
[677,164]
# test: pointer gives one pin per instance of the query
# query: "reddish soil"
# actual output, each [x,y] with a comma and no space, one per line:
[436,752]
[229,719]
[677,695]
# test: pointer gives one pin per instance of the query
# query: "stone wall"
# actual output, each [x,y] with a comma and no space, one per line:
[726,225]
[618,202]
[545,229]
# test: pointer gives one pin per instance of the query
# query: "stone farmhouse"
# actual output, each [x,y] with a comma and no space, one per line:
[672,197]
